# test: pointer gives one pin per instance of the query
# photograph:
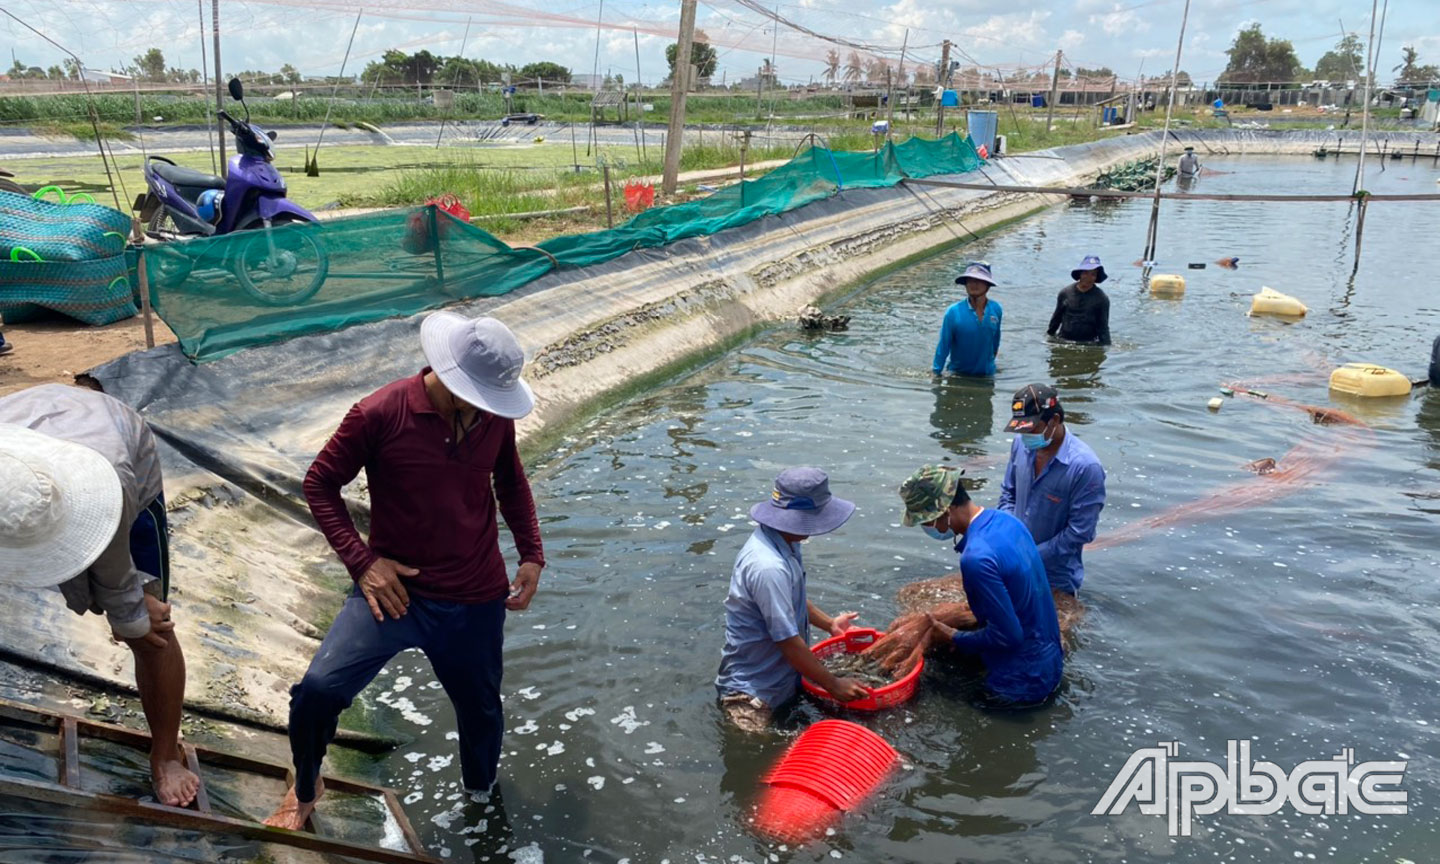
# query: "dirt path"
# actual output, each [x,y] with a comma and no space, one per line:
[57,350]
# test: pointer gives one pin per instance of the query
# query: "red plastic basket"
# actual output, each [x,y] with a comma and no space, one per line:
[832,767]
[854,641]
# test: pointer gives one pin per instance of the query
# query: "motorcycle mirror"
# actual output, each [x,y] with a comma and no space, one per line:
[270,134]
[237,90]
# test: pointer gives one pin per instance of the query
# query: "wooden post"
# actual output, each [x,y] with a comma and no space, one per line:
[943,78]
[1054,94]
[679,87]
[145,301]
[609,211]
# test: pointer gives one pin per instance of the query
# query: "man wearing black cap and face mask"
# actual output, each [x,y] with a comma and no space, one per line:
[1054,484]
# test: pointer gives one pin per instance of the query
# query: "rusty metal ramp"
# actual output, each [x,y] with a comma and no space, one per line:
[75,764]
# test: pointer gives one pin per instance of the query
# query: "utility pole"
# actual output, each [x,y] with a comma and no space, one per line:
[219,86]
[942,80]
[1054,93]
[679,86]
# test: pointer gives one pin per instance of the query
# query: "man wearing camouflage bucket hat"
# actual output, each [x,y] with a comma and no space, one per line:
[1018,637]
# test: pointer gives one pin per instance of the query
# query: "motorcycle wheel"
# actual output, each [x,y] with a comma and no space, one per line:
[165,268]
[294,272]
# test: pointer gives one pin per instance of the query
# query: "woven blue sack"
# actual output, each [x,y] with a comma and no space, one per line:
[31,229]
[92,292]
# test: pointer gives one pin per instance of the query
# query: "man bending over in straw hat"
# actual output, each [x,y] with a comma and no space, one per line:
[438,450]
[81,507]
[768,616]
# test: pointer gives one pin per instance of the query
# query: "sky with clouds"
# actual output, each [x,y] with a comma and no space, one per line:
[311,34]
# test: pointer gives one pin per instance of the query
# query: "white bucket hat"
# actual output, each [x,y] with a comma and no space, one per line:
[478,360]
[60,506]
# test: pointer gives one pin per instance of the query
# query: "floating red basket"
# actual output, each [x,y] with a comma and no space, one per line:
[831,768]
[854,641]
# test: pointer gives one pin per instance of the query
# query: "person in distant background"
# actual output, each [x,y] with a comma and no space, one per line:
[1189,164]
[1082,311]
[1435,363]
[970,331]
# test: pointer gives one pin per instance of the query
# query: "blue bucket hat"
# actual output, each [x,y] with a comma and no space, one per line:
[975,270]
[801,504]
[1091,262]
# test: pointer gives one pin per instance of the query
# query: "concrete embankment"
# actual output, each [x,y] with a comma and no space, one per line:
[255,584]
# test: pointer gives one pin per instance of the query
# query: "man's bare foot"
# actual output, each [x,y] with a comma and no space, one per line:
[175,785]
[292,814]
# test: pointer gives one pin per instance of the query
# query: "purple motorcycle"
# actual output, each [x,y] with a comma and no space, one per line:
[284,263]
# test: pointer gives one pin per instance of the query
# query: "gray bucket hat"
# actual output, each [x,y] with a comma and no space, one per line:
[976,270]
[478,360]
[801,504]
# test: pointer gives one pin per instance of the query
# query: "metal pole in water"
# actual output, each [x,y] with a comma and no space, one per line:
[1154,229]
[1365,115]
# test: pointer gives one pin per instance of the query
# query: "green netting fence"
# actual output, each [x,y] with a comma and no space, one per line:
[221,294]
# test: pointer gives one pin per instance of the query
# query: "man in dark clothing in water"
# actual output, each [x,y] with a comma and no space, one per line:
[1082,311]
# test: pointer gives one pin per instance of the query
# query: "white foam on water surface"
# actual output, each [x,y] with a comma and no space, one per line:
[526,728]
[654,747]
[628,721]
[531,854]
[575,715]
[597,782]
[528,693]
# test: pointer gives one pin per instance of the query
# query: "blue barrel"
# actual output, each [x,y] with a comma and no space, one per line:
[1037,100]
[983,126]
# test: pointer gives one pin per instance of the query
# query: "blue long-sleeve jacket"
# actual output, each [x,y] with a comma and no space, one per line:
[1019,635]
[1061,507]
[969,342]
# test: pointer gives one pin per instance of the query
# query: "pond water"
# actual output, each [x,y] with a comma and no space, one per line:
[1298,611]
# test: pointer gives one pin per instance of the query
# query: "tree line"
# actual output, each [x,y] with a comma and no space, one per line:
[1256,59]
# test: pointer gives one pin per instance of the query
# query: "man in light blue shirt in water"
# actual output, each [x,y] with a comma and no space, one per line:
[970,331]
[1018,637]
[767,613]
[1054,484]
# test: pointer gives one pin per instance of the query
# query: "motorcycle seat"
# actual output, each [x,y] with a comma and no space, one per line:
[186,179]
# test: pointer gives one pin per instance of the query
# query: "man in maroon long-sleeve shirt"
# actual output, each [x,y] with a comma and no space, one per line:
[431,576]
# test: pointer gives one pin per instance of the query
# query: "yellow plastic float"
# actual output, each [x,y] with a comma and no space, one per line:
[1272,302]
[1167,285]
[1369,381]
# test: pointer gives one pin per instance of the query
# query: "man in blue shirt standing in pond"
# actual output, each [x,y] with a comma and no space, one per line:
[767,613]
[1054,484]
[1018,636]
[970,331]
